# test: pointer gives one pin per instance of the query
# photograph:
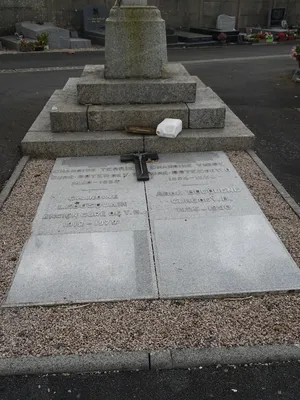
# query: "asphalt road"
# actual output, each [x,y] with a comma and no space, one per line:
[253,80]
[37,60]
[253,382]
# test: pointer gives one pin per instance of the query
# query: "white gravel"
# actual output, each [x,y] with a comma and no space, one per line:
[143,325]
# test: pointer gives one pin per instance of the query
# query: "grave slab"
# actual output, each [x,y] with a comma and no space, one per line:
[193,230]
[58,38]
[90,238]
[94,194]
[84,267]
[210,237]
[221,256]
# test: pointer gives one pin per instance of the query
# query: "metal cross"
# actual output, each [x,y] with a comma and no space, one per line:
[140,161]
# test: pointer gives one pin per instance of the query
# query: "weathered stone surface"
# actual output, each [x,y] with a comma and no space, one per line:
[42,122]
[66,114]
[176,86]
[200,84]
[52,145]
[117,117]
[208,111]
[135,43]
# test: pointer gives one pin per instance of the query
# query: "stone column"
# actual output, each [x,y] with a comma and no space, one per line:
[135,42]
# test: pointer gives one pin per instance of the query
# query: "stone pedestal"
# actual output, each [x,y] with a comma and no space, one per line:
[136,44]
[138,87]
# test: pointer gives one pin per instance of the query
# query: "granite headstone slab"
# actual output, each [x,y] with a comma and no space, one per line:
[277,16]
[94,17]
[225,23]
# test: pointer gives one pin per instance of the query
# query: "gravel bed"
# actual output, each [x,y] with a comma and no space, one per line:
[143,325]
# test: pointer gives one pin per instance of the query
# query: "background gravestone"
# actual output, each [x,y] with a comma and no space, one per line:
[94,17]
[225,23]
[277,16]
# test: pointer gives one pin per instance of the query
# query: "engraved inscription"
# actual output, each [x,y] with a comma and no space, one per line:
[88,200]
[198,200]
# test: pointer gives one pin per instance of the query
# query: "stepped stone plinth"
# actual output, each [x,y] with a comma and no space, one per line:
[136,86]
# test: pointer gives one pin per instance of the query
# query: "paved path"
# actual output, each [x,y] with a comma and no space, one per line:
[253,80]
[253,382]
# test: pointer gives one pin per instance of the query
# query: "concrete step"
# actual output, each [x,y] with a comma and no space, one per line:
[41,142]
[177,86]
[208,111]
[45,144]
[66,114]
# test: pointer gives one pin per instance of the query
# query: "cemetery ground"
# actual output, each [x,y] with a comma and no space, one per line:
[258,88]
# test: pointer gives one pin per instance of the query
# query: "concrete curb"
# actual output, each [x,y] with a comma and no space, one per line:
[291,202]
[156,360]
[12,180]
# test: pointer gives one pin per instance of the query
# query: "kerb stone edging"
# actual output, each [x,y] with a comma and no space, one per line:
[12,180]
[156,360]
[278,186]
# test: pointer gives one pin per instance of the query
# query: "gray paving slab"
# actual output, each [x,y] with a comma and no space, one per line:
[84,267]
[221,256]
[90,237]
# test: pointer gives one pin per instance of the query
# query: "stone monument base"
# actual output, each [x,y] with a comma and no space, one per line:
[135,43]
[67,128]
[178,95]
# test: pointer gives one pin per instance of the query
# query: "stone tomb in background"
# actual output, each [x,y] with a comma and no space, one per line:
[193,230]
